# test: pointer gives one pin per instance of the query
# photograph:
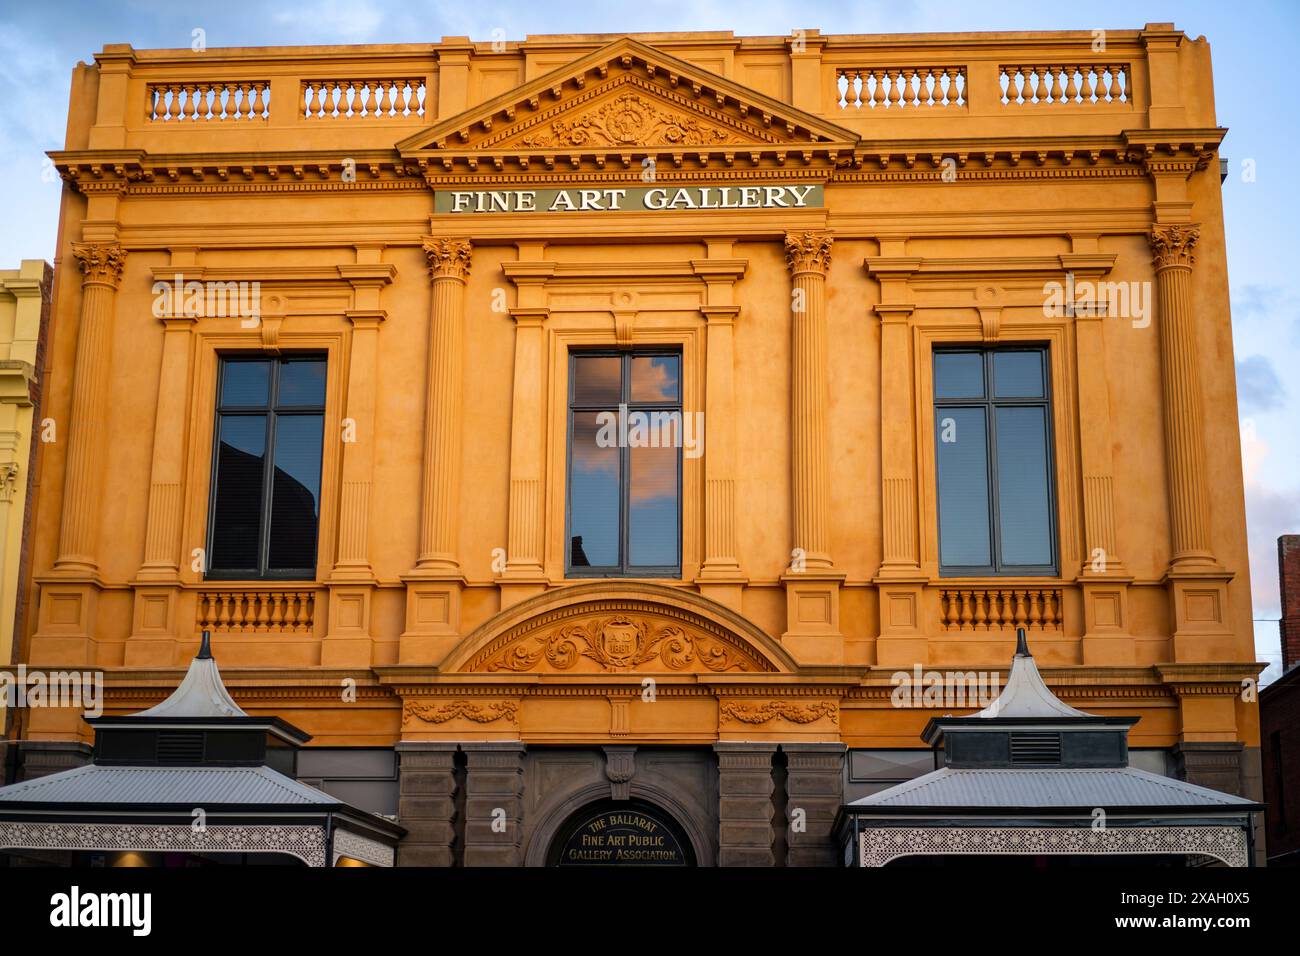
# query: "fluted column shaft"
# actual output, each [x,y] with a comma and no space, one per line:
[101,267]
[524,545]
[449,261]
[720,461]
[163,525]
[808,256]
[1184,426]
[358,446]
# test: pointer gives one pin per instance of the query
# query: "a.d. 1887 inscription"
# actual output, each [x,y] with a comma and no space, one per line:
[622,837]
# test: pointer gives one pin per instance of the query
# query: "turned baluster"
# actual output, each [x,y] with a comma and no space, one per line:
[895,93]
[259,107]
[277,619]
[1071,88]
[1056,90]
[965,610]
[1020,608]
[995,612]
[981,618]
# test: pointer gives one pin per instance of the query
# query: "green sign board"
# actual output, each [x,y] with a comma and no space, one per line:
[626,199]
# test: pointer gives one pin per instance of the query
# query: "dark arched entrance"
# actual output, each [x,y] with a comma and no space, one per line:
[620,833]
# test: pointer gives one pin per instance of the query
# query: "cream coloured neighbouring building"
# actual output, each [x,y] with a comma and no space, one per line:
[342,335]
[24,310]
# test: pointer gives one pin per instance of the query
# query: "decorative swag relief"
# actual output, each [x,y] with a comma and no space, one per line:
[441,713]
[621,643]
[786,710]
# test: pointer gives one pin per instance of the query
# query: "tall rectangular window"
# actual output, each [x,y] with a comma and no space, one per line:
[264,515]
[625,464]
[993,452]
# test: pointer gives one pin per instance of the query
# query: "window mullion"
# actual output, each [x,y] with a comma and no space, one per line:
[268,478]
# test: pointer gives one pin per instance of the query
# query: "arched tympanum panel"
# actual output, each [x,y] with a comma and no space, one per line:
[618,627]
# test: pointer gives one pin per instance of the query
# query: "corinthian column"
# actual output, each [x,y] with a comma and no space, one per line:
[101,268]
[1184,439]
[808,255]
[448,268]
[434,586]
[812,585]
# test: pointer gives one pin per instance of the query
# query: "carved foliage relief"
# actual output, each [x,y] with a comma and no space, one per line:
[620,642]
[629,119]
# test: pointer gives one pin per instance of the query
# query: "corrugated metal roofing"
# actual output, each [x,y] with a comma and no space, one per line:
[1047,787]
[192,786]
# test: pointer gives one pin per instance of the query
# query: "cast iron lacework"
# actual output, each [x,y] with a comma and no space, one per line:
[880,845]
[307,843]
[357,847]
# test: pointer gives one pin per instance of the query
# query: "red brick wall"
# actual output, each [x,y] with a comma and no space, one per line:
[1279,727]
[1288,573]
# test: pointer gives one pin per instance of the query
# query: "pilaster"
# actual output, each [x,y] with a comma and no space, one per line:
[812,582]
[1198,584]
[524,576]
[902,639]
[494,803]
[815,791]
[745,788]
[427,803]
[67,608]
[157,587]
[434,586]
[721,577]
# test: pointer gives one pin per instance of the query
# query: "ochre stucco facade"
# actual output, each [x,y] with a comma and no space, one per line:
[808,527]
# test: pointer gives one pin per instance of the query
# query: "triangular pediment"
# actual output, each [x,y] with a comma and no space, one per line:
[628,99]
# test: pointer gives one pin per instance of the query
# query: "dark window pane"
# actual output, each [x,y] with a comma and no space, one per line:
[1023,498]
[1018,374]
[653,502]
[302,384]
[237,514]
[656,378]
[594,491]
[245,384]
[597,380]
[958,375]
[295,494]
[962,458]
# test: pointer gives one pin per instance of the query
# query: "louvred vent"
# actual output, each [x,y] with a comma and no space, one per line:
[1035,748]
[179,746]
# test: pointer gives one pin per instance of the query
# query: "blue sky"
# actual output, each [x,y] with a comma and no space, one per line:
[1254,85]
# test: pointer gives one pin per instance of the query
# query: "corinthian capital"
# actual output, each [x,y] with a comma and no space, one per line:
[448,257]
[807,252]
[101,262]
[1172,245]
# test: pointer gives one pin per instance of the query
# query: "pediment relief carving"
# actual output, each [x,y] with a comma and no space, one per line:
[626,97]
[620,642]
[626,113]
